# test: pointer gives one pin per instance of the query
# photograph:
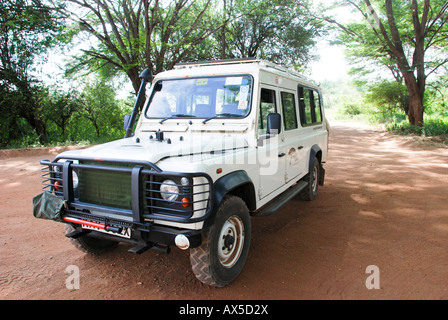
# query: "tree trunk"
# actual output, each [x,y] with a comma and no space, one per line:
[39,126]
[30,111]
[415,83]
[416,109]
[134,76]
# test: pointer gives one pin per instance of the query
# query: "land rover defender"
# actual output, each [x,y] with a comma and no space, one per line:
[207,146]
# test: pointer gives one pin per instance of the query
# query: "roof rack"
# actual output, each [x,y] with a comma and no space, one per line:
[214,62]
[277,67]
[263,63]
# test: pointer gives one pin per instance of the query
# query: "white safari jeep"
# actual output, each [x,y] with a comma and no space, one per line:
[214,144]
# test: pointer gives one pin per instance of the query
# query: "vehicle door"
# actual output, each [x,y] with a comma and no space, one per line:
[313,130]
[295,160]
[271,151]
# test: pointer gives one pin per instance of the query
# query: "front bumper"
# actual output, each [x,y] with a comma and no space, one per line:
[141,208]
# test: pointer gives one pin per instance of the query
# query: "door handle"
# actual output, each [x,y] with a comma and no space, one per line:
[300,147]
[281,154]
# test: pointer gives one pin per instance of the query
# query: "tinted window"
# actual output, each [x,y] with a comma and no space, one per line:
[317,107]
[309,106]
[289,110]
[267,106]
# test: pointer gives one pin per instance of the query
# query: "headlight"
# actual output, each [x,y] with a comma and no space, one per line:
[169,190]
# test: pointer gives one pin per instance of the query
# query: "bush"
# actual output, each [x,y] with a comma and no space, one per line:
[434,125]
[351,109]
[388,96]
[93,115]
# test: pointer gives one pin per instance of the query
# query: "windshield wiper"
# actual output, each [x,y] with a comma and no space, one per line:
[230,115]
[177,116]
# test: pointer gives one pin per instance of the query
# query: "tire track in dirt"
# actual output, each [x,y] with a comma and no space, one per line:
[31,275]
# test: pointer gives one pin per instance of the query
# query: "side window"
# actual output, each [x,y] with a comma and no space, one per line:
[289,110]
[304,106]
[309,106]
[267,106]
[317,107]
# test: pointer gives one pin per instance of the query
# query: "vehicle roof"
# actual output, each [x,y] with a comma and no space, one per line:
[234,66]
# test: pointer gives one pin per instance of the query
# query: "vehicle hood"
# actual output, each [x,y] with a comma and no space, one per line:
[146,149]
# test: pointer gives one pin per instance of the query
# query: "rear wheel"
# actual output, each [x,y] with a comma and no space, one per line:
[311,190]
[90,245]
[223,252]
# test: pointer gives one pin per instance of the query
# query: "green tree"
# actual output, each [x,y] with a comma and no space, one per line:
[60,107]
[28,28]
[12,127]
[409,38]
[277,30]
[133,35]
[389,96]
[102,109]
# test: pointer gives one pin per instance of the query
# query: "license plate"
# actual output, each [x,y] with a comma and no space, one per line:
[124,233]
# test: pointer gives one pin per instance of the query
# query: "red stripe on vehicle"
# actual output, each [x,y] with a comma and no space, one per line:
[85,223]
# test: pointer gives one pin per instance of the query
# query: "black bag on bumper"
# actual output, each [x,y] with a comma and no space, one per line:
[47,206]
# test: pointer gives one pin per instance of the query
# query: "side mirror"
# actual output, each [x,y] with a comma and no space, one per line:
[274,123]
[127,117]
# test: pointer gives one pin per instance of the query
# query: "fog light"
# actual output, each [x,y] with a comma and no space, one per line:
[182,242]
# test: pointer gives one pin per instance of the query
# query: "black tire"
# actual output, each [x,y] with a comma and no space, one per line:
[311,190]
[90,245]
[225,246]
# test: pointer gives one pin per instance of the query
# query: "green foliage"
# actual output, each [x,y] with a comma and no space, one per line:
[89,115]
[27,30]
[130,36]
[134,35]
[281,31]
[388,96]
[433,126]
[347,102]
[407,38]
[351,109]
[342,100]
[436,115]
[102,109]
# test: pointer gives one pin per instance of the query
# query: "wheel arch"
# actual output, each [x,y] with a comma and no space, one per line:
[316,152]
[237,183]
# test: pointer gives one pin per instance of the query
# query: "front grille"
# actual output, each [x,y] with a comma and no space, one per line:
[128,189]
[105,188]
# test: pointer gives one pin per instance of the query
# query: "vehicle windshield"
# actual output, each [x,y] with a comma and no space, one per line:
[213,97]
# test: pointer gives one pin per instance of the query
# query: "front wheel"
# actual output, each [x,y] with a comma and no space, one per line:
[90,245]
[223,252]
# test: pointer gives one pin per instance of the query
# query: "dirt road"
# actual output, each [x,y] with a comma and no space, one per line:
[384,204]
